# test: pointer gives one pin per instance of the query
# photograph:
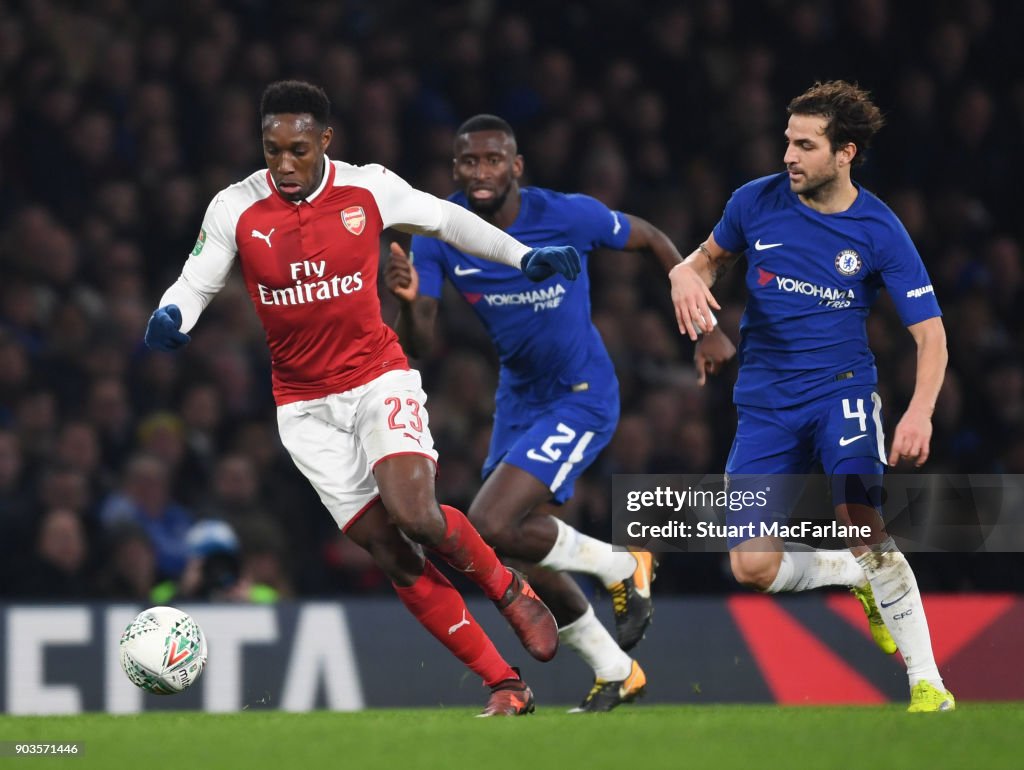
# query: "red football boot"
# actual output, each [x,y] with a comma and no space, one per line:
[529,617]
[510,698]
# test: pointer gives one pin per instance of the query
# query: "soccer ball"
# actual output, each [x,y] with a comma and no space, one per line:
[163,651]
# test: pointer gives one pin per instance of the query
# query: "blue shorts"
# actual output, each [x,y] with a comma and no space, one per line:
[555,442]
[791,441]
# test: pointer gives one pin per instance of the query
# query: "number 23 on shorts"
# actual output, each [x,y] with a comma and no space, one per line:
[404,414]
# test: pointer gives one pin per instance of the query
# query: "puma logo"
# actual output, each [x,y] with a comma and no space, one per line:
[459,625]
[258,234]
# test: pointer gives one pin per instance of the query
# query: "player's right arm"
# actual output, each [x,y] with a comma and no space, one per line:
[692,280]
[419,213]
[417,313]
[203,275]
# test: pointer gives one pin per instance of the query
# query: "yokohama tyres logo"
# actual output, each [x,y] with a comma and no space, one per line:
[541,299]
[796,286]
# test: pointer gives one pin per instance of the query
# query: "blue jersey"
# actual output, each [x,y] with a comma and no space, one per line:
[543,332]
[812,279]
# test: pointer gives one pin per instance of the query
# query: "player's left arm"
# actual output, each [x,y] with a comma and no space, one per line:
[645,237]
[913,435]
[906,278]
[714,349]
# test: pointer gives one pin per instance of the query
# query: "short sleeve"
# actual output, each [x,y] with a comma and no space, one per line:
[905,277]
[597,224]
[728,232]
[425,253]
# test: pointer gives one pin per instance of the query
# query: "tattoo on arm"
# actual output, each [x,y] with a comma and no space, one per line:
[720,267]
[717,266]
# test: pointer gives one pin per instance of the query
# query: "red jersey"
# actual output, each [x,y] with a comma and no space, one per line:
[311,271]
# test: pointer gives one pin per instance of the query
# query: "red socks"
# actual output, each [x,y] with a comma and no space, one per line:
[466,551]
[441,610]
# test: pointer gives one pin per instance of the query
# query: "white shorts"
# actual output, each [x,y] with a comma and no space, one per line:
[336,441]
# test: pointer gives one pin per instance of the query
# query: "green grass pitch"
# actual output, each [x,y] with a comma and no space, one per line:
[716,736]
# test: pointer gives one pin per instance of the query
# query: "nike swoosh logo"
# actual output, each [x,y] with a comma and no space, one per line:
[460,270]
[844,440]
[889,604]
[642,574]
[618,224]
[758,246]
[533,454]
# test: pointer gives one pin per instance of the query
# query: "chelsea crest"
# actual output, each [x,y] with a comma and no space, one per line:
[848,262]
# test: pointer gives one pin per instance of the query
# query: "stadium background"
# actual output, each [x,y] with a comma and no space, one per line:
[119,121]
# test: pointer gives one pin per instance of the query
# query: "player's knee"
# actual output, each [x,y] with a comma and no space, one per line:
[418,516]
[492,529]
[422,525]
[754,569]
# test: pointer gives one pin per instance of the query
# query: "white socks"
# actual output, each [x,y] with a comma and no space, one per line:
[588,637]
[899,602]
[803,568]
[575,552]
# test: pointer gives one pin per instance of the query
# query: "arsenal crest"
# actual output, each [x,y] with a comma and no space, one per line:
[354,219]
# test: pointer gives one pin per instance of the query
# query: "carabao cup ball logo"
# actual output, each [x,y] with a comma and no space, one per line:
[848,262]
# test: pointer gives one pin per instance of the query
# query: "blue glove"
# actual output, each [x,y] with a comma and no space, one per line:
[544,262]
[162,331]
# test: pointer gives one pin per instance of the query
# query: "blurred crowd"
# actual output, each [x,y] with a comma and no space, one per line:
[120,120]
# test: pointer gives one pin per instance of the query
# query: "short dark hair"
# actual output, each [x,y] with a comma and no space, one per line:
[295,97]
[485,122]
[851,115]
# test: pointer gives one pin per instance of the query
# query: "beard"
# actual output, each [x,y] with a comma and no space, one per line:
[816,186]
[488,206]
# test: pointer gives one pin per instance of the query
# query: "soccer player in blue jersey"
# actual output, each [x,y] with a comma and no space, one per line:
[558,397]
[819,247]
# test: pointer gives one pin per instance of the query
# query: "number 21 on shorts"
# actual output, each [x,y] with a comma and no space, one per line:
[549,451]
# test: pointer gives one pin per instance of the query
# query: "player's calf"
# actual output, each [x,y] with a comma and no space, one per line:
[396,556]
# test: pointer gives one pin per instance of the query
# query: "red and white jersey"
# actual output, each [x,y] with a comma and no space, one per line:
[311,270]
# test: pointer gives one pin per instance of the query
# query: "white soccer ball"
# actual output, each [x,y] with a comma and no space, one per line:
[163,651]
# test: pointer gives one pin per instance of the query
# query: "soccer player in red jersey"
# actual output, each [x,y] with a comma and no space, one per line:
[350,411]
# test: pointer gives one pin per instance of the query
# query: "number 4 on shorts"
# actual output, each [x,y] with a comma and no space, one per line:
[859,414]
